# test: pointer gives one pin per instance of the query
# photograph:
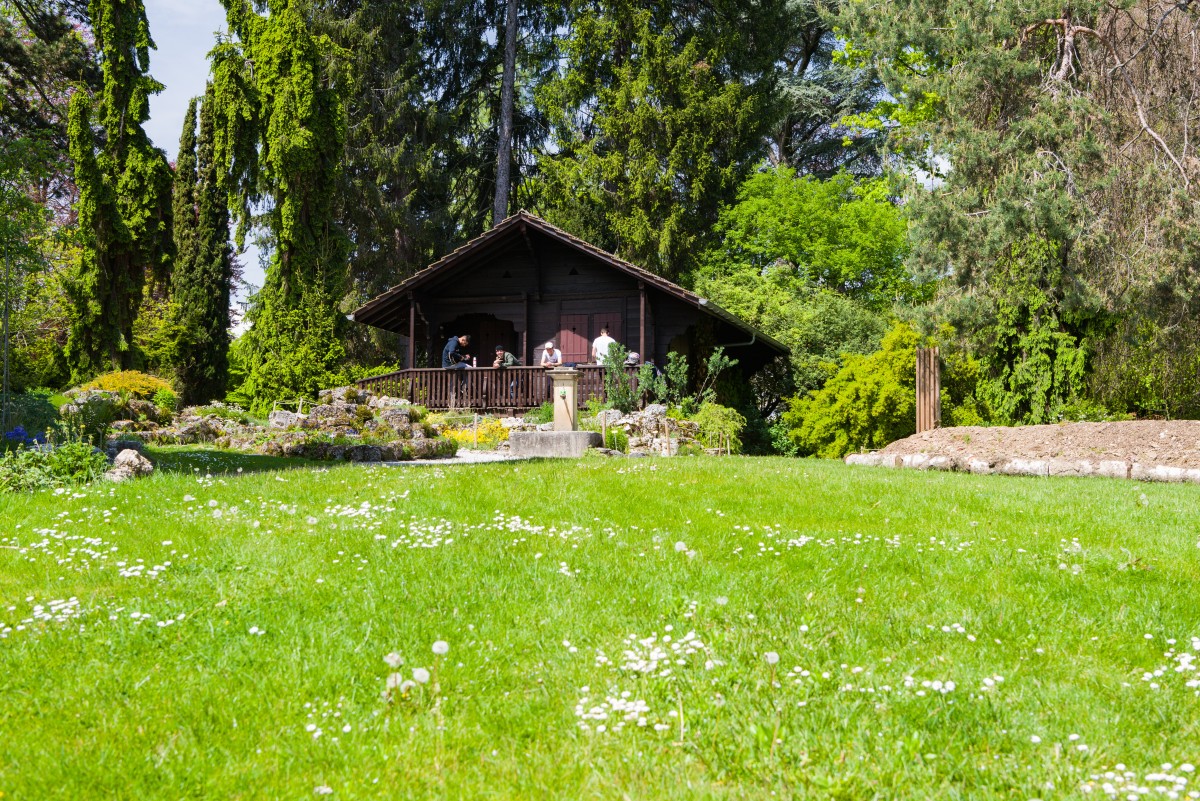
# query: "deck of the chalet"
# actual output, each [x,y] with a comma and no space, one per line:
[484,388]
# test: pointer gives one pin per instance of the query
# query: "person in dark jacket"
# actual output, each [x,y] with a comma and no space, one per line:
[454,357]
[504,358]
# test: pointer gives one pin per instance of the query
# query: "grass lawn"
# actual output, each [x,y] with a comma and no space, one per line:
[612,630]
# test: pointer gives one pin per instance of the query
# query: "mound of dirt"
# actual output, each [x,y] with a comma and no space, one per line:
[1173,443]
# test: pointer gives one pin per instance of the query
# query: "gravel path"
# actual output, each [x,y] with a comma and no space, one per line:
[1174,442]
[1150,450]
[464,456]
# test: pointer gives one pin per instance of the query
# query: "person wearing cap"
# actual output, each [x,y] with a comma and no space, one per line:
[551,358]
[506,359]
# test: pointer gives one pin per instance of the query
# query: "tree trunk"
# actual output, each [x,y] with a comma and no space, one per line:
[507,88]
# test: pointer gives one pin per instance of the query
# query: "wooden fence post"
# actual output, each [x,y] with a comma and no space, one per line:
[929,390]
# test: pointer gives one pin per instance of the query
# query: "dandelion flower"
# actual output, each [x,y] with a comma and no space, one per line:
[421,675]
[681,546]
[441,647]
[394,680]
[721,600]
[394,660]
[1035,739]
[771,657]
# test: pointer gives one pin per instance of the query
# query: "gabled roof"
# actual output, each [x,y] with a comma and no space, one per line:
[518,224]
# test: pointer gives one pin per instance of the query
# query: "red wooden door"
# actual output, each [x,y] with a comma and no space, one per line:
[573,338]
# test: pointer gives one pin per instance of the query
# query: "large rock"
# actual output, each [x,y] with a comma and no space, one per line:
[282,418]
[351,395]
[143,409]
[387,402]
[396,419]
[608,416]
[328,416]
[129,464]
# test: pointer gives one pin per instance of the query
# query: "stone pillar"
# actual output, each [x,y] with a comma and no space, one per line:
[566,398]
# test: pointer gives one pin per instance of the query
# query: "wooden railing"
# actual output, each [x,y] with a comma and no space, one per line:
[482,388]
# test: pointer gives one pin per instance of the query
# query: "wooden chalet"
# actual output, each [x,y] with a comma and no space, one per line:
[525,282]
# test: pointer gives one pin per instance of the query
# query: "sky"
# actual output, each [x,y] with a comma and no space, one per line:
[184,31]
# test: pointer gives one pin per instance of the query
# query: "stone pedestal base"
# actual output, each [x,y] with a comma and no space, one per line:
[552,444]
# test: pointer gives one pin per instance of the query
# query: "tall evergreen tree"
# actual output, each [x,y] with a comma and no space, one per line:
[42,55]
[817,90]
[202,281]
[660,113]
[281,129]
[184,208]
[422,159]
[124,194]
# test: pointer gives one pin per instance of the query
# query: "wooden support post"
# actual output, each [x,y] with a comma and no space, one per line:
[475,425]
[642,320]
[412,331]
[526,354]
[604,428]
[929,390]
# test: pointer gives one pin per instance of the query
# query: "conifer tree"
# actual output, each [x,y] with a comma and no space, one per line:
[124,201]
[280,133]
[201,283]
[183,205]
[660,113]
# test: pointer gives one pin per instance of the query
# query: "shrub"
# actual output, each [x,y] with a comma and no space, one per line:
[31,469]
[720,426]
[670,386]
[225,411]
[76,463]
[1086,411]
[616,439]
[18,437]
[25,470]
[870,402]
[618,389]
[33,411]
[138,385]
[490,433]
[542,414]
[87,416]
[166,400]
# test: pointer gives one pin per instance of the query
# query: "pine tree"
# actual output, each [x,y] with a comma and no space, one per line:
[124,201]
[281,128]
[201,283]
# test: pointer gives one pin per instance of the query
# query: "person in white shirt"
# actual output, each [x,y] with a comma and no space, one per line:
[601,345]
[551,358]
